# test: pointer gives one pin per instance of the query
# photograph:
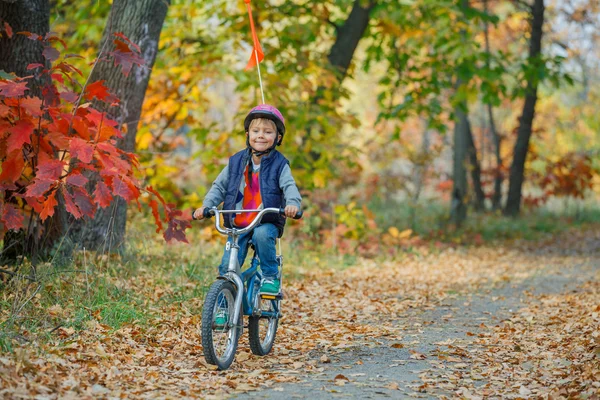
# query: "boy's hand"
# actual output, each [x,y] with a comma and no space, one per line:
[291,211]
[199,213]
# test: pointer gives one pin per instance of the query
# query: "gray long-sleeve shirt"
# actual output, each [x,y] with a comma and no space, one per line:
[291,194]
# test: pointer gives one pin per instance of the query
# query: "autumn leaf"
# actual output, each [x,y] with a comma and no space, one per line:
[102,195]
[11,217]
[39,187]
[50,53]
[154,207]
[81,127]
[48,206]
[19,135]
[120,188]
[12,88]
[96,90]
[124,57]
[76,179]
[70,205]
[8,30]
[12,167]
[81,149]
[32,105]
[51,169]
[83,201]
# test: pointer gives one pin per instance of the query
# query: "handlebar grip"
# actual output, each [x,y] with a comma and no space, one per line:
[297,216]
[208,213]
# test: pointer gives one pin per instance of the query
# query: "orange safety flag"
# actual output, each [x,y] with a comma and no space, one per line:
[256,50]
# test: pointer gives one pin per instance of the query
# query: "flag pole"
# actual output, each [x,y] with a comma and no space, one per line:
[262,93]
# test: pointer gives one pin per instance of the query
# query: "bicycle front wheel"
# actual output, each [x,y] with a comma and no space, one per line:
[263,328]
[220,334]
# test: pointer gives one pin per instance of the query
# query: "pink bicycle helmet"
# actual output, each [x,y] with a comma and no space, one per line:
[268,112]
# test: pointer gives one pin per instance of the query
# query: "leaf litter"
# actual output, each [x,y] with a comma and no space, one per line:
[549,348]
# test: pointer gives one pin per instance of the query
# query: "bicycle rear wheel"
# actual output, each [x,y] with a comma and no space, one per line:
[263,328]
[220,335]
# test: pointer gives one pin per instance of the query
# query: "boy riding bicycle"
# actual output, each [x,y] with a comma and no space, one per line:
[257,177]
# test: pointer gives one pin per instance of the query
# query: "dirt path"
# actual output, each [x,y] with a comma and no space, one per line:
[409,368]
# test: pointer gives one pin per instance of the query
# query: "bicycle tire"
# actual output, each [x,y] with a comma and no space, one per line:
[262,330]
[219,343]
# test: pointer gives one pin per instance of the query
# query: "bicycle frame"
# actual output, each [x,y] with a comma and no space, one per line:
[242,303]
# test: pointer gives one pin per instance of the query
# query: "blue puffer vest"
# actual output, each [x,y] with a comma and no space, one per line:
[271,166]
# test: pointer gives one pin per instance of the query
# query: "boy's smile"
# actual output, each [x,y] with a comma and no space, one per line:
[262,136]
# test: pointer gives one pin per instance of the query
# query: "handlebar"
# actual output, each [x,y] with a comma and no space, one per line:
[210,212]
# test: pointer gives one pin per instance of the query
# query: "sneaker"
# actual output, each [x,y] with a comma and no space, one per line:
[270,286]
[221,319]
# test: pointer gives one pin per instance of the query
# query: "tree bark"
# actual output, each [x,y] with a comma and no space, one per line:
[497,196]
[513,201]
[479,198]
[141,21]
[458,207]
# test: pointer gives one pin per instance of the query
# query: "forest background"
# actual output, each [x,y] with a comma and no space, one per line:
[409,123]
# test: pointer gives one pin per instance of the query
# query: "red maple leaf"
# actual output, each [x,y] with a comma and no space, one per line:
[12,167]
[127,40]
[48,206]
[34,66]
[154,192]
[76,179]
[81,127]
[12,88]
[69,97]
[82,150]
[96,90]
[121,189]
[51,169]
[19,134]
[11,217]
[39,187]
[154,206]
[70,205]
[176,225]
[124,57]
[50,53]
[33,106]
[83,201]
[102,195]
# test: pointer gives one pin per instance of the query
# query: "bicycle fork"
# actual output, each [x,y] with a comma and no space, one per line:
[233,276]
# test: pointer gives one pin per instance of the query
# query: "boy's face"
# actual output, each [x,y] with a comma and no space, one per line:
[262,134]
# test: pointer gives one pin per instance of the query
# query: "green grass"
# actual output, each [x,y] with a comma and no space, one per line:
[430,220]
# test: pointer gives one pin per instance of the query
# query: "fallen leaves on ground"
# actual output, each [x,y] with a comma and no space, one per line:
[551,347]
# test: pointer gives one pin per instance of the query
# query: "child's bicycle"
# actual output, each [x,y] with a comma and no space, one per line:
[236,294]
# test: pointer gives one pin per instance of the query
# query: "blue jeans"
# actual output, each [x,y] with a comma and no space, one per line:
[263,237]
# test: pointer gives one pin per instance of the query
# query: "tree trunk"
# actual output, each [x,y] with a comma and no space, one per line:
[513,201]
[497,196]
[348,36]
[479,200]
[141,21]
[458,207]
[16,53]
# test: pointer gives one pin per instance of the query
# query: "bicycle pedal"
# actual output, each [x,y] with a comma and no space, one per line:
[271,296]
